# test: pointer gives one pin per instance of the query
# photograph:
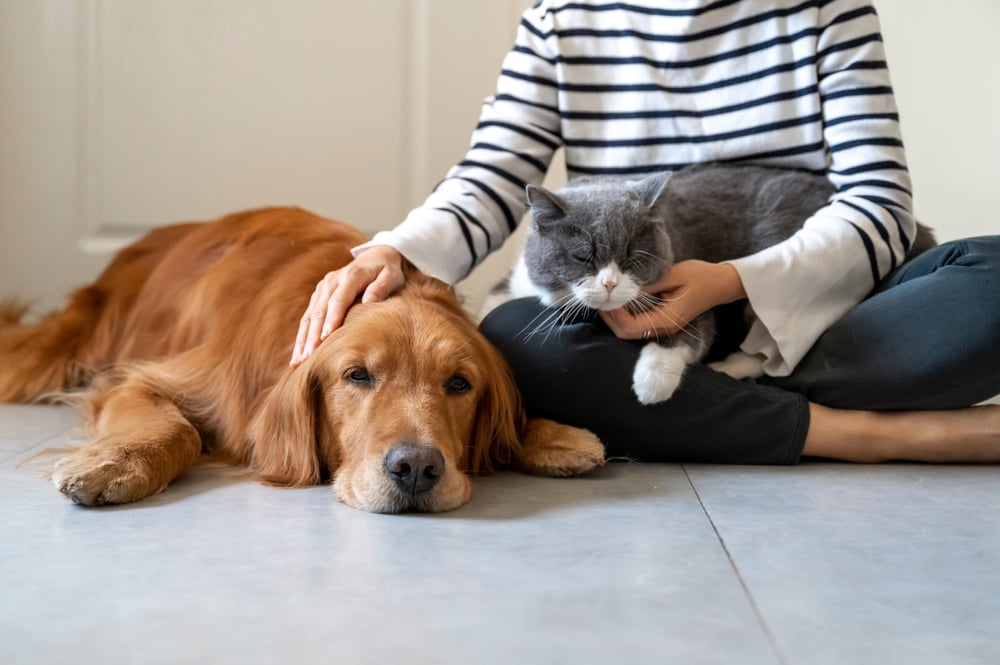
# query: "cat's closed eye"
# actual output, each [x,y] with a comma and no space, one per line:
[582,254]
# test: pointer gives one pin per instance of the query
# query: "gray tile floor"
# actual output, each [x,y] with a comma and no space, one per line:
[820,563]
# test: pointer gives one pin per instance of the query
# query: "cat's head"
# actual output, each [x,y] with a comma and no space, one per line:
[598,240]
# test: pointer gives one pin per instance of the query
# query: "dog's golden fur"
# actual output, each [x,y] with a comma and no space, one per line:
[181,347]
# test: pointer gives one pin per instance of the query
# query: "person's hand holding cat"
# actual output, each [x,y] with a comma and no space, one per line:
[689,288]
[374,274]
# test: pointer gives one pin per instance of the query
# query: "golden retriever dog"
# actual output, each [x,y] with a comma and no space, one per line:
[182,345]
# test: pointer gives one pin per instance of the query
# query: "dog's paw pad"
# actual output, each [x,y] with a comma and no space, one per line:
[91,482]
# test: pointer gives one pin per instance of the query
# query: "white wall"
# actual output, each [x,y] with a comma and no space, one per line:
[118,115]
[944,58]
[56,68]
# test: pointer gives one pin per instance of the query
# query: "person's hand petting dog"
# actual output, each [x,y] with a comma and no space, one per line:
[374,275]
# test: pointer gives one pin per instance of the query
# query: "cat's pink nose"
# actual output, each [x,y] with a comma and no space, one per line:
[609,283]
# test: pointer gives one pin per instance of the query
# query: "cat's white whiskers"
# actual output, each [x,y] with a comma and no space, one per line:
[555,320]
[643,258]
[648,300]
[675,298]
[550,321]
[674,319]
[552,315]
[566,312]
[547,313]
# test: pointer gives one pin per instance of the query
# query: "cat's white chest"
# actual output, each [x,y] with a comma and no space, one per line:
[521,286]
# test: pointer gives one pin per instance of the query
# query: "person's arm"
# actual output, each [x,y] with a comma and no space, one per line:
[481,200]
[803,285]
[478,204]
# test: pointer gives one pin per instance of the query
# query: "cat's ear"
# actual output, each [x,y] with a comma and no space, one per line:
[545,206]
[651,188]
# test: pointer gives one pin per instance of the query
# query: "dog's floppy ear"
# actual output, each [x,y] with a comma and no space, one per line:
[284,434]
[500,419]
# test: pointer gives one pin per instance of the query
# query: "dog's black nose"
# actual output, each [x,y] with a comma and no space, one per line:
[414,469]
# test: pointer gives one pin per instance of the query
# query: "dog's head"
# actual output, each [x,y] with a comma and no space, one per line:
[398,406]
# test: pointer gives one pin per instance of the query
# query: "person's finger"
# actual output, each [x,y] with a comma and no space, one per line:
[387,281]
[659,322]
[340,301]
[317,313]
[622,324]
[303,332]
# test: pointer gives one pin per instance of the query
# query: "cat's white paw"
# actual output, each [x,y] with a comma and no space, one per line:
[740,365]
[658,372]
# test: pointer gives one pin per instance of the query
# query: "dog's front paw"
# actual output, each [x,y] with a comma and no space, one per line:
[94,476]
[552,449]
[658,372]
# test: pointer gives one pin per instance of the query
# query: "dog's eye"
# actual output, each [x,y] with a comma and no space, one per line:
[458,384]
[358,376]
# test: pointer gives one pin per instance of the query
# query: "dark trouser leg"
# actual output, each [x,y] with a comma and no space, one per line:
[581,374]
[928,338]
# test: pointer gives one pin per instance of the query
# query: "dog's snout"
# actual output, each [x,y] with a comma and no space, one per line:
[413,468]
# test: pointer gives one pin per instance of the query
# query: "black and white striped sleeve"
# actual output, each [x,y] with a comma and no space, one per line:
[481,200]
[802,286]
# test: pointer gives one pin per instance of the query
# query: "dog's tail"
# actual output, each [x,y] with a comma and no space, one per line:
[40,359]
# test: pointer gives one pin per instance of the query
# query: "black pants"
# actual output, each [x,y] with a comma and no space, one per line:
[927,338]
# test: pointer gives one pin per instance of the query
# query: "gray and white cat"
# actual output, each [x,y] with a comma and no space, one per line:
[597,241]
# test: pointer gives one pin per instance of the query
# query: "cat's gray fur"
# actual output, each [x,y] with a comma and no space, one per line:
[714,212]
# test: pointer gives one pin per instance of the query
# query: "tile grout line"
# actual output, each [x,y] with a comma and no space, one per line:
[732,563]
[25,451]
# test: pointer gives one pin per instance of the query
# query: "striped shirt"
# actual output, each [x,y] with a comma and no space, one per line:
[631,88]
